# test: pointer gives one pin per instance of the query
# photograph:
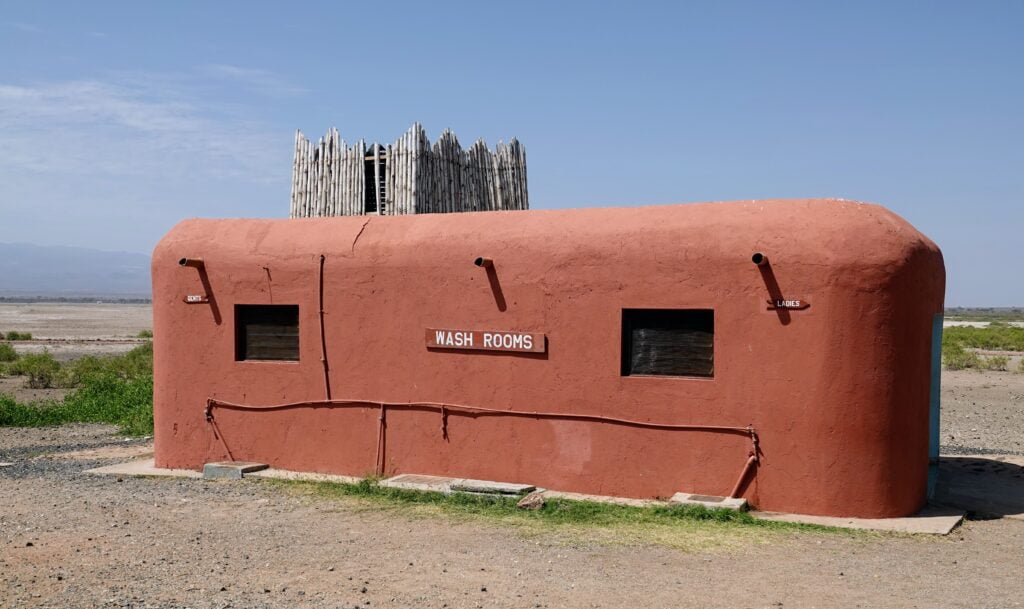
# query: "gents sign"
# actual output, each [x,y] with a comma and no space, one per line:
[485,340]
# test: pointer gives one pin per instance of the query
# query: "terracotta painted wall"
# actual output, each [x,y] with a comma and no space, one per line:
[838,392]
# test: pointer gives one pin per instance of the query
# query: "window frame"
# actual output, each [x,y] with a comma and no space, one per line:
[629,321]
[240,336]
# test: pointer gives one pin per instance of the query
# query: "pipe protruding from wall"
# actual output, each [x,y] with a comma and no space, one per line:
[193,262]
[484,262]
[759,259]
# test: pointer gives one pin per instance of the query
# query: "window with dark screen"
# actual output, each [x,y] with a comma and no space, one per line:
[668,342]
[267,332]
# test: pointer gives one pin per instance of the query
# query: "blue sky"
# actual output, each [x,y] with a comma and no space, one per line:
[117,119]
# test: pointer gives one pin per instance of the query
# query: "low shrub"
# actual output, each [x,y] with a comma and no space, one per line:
[145,334]
[7,353]
[955,357]
[136,363]
[12,335]
[996,362]
[995,337]
[41,369]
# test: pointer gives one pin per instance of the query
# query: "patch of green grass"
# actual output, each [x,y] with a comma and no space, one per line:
[684,527]
[12,335]
[7,353]
[145,334]
[127,403]
[115,389]
[34,414]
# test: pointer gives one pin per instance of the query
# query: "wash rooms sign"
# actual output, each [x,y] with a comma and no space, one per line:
[485,340]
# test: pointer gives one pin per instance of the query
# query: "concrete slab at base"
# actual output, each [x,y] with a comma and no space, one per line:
[709,501]
[549,494]
[419,482]
[934,520]
[284,474]
[487,487]
[143,467]
[231,470]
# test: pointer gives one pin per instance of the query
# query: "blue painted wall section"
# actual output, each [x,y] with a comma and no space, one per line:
[934,403]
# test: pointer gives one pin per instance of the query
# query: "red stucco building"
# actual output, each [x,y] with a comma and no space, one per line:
[631,352]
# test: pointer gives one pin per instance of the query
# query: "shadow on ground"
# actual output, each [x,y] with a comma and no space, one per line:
[985,487]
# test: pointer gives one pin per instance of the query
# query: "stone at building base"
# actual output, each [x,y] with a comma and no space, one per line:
[230,470]
[709,501]
[419,482]
[487,487]
[287,474]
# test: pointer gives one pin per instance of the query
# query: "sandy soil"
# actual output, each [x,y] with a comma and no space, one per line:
[67,350]
[15,386]
[76,321]
[70,331]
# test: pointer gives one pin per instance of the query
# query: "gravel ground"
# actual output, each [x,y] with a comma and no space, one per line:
[69,539]
[982,412]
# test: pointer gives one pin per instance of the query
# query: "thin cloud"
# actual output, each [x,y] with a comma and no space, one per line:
[158,126]
[26,27]
[261,81]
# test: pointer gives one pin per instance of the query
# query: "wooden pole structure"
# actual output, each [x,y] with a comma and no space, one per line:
[330,179]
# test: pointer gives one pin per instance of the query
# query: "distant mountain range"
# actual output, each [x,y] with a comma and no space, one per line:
[73,272]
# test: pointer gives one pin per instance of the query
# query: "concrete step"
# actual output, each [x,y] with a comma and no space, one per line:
[419,482]
[488,487]
[709,501]
[230,470]
[444,484]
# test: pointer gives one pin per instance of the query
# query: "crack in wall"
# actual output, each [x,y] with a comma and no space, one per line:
[359,234]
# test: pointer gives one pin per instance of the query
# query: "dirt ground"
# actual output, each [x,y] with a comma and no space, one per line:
[70,539]
[76,321]
[70,331]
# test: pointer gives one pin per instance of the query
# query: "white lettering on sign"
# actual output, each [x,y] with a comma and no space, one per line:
[196,298]
[783,303]
[450,338]
[485,340]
